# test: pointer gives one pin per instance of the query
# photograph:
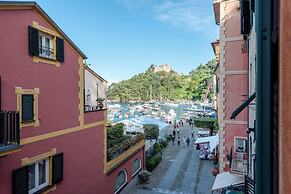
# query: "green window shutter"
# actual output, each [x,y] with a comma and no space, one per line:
[27,107]
[57,168]
[60,52]
[245,16]
[20,180]
[33,41]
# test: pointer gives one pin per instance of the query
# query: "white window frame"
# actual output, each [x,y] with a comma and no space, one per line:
[245,144]
[43,37]
[46,183]
[123,183]
[134,173]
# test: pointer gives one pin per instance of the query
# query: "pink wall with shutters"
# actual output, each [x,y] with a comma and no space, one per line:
[58,110]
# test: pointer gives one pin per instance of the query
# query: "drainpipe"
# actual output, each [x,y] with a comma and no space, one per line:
[263,171]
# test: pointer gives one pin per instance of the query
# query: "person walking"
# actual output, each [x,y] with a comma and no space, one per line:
[173,140]
[184,141]
[192,133]
[178,131]
[188,141]
[178,140]
[174,133]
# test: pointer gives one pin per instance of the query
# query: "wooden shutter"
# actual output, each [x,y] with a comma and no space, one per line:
[60,56]
[33,38]
[57,168]
[27,107]
[20,180]
[245,16]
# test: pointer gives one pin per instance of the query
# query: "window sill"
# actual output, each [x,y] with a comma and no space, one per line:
[38,59]
[47,189]
[136,173]
[34,123]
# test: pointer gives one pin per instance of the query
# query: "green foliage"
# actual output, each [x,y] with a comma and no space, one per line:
[124,143]
[205,122]
[152,162]
[164,143]
[157,148]
[115,135]
[164,86]
[210,123]
[151,131]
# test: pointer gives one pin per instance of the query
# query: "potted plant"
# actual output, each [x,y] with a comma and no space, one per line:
[215,171]
[144,176]
[100,102]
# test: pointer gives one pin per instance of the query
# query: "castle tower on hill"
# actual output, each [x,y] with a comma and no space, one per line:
[167,68]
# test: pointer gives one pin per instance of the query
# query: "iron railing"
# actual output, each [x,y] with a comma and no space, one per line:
[46,51]
[9,129]
[249,185]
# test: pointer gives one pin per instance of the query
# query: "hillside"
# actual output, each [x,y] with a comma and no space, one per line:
[164,85]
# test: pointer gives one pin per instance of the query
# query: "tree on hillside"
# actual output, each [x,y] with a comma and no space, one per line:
[164,85]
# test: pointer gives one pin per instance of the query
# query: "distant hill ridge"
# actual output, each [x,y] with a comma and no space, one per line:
[163,83]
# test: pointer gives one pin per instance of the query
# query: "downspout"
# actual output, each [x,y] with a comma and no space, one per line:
[263,177]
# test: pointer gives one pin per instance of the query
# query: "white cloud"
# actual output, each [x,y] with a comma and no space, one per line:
[193,15]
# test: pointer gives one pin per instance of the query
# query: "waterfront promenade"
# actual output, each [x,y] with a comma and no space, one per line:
[180,171]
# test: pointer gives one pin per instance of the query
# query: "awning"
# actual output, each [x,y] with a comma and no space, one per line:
[243,106]
[212,140]
[227,179]
[203,132]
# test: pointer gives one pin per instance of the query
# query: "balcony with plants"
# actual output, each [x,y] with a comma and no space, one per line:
[121,146]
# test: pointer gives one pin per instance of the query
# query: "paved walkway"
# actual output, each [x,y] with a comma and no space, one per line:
[181,171]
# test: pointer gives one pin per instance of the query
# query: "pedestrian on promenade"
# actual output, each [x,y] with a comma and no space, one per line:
[178,140]
[188,141]
[182,123]
[174,133]
[192,133]
[178,131]
[184,141]
[173,140]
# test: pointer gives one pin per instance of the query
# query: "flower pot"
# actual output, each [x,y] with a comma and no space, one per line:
[215,171]
[100,106]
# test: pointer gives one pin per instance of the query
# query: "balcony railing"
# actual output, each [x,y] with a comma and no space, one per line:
[118,149]
[249,185]
[46,51]
[9,130]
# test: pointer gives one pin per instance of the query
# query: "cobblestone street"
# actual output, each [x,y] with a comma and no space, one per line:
[181,171]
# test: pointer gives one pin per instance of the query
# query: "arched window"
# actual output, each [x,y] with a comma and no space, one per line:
[121,180]
[136,166]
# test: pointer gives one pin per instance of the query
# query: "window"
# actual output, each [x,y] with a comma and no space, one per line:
[45,45]
[240,145]
[121,180]
[27,107]
[38,175]
[136,166]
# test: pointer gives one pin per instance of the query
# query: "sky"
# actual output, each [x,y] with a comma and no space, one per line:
[124,37]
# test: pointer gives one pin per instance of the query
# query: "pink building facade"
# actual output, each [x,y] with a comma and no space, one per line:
[232,74]
[48,143]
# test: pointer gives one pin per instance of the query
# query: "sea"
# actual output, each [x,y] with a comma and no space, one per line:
[126,113]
